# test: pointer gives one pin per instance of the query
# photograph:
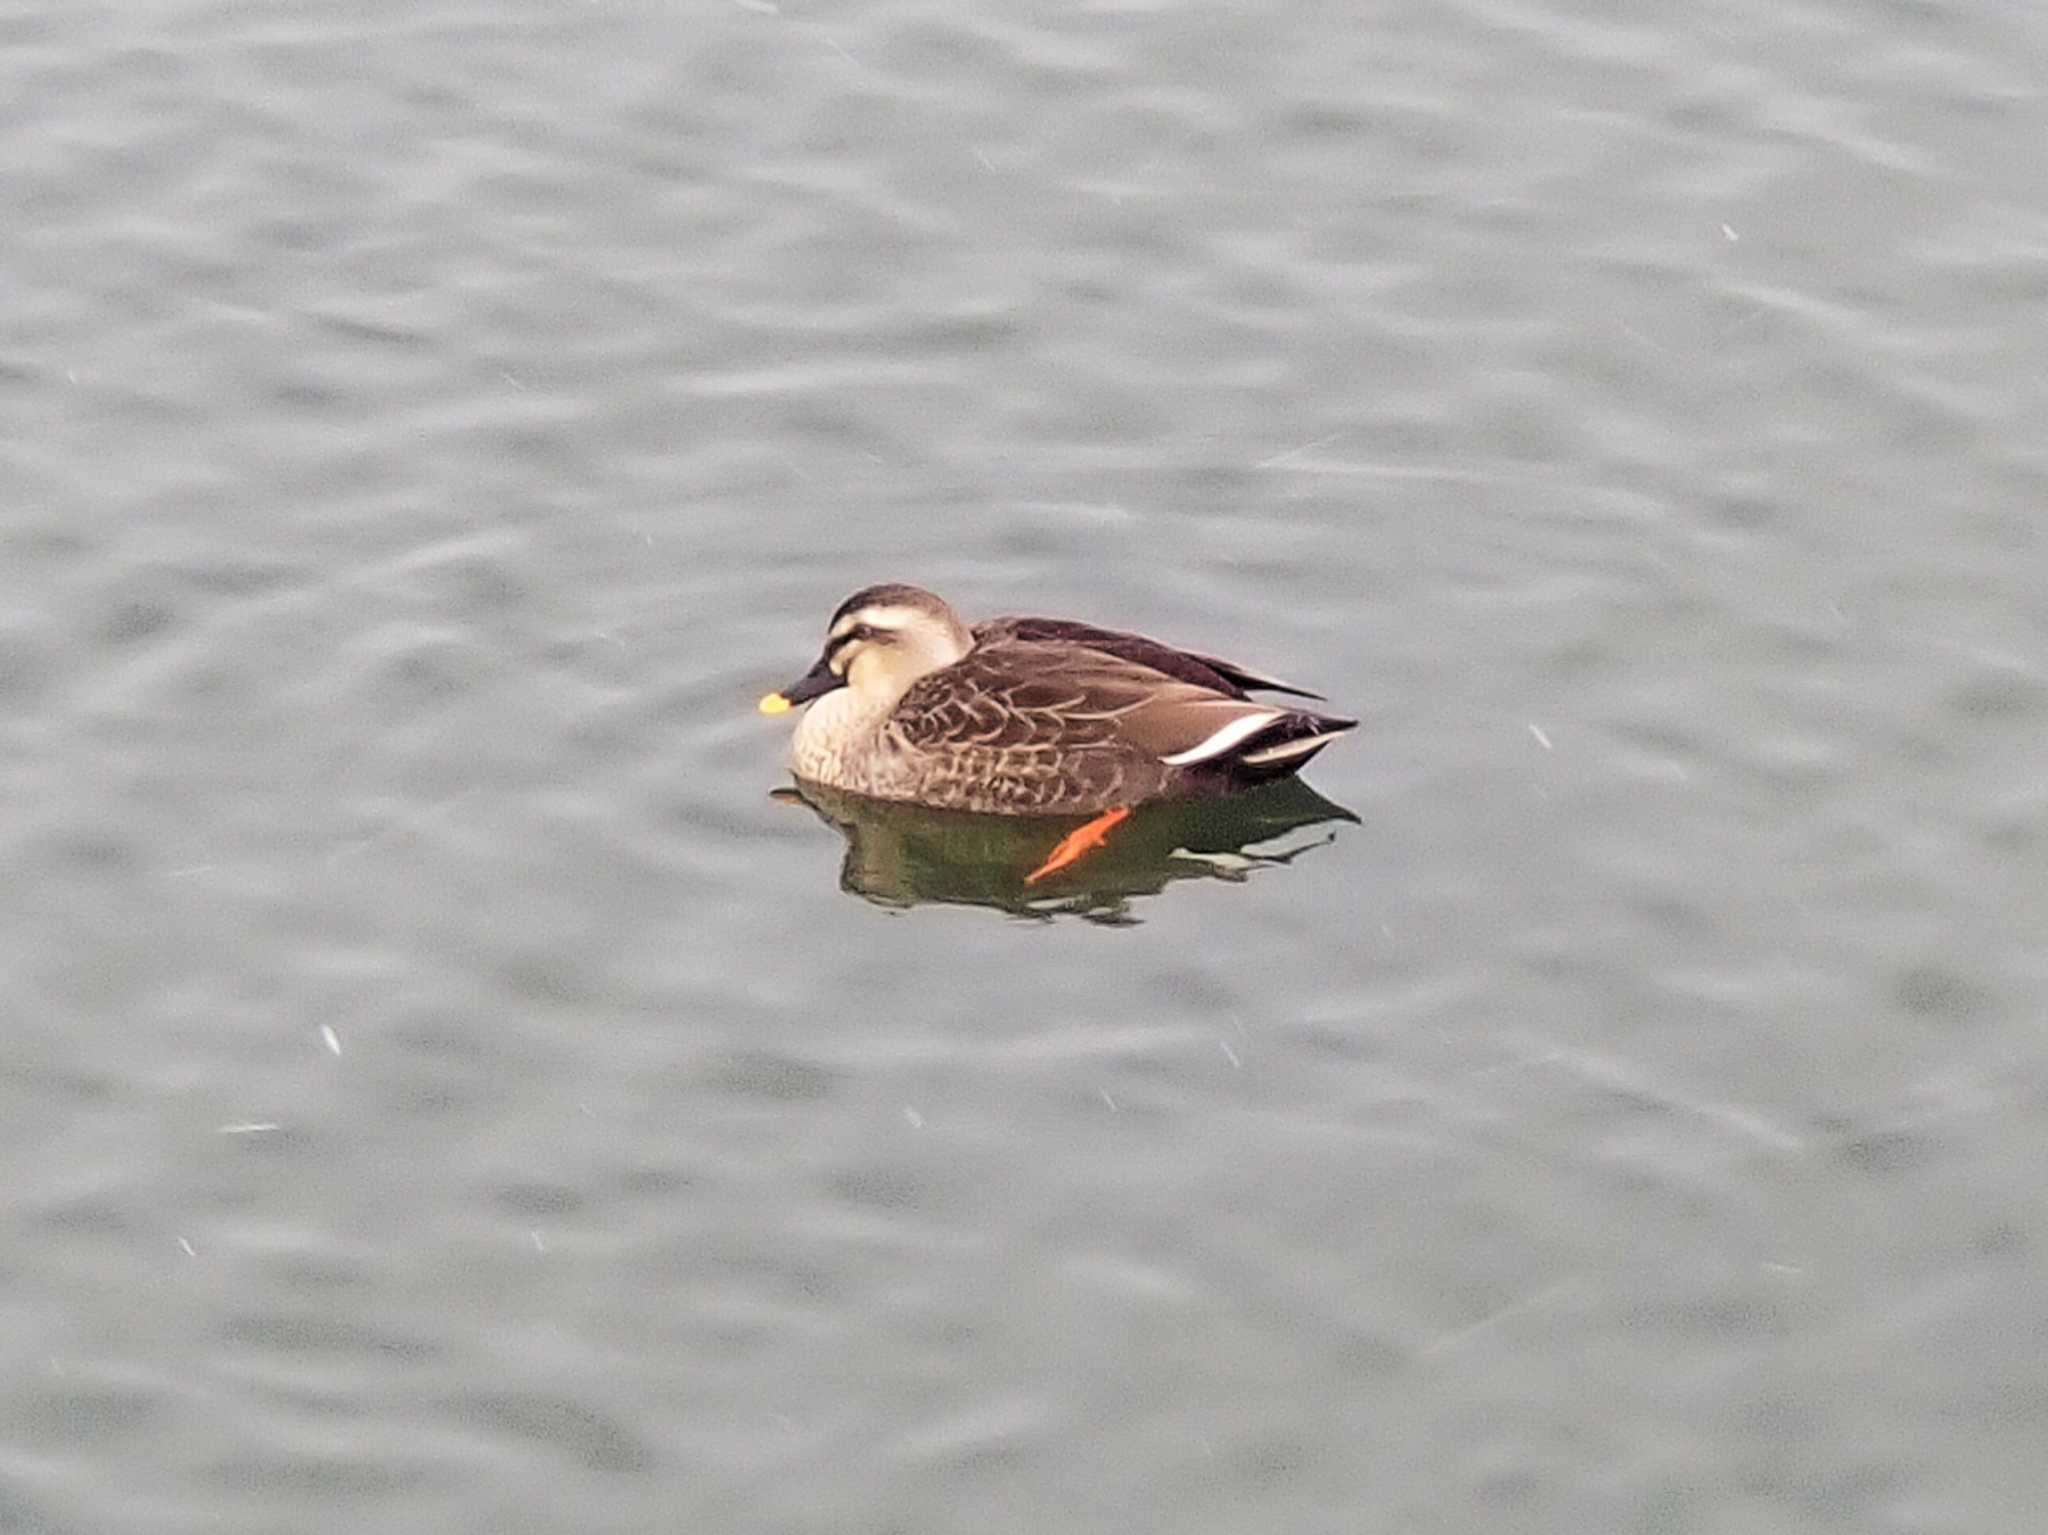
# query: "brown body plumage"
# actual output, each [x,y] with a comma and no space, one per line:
[1032,716]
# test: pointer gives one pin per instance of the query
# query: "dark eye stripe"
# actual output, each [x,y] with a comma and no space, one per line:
[836,648]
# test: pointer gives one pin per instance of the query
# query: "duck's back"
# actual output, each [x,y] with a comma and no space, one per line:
[1204,671]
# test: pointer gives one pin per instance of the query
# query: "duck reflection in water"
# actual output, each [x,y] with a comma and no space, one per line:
[903,855]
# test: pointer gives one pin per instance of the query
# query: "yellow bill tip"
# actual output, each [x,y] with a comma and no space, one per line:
[773,703]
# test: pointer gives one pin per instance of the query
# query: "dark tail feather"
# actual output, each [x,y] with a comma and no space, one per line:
[1245,678]
[1284,746]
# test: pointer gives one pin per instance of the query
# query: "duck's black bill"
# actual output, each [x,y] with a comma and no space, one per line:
[818,680]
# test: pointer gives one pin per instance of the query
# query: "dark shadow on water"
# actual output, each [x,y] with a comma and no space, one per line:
[905,855]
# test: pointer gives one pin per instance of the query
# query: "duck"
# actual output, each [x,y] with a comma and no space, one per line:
[1022,716]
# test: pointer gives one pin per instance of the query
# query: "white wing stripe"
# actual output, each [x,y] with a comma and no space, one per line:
[1235,733]
[1286,749]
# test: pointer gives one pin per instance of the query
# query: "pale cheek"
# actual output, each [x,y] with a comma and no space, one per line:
[868,675]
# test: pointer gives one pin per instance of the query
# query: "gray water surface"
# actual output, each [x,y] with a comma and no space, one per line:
[442,1089]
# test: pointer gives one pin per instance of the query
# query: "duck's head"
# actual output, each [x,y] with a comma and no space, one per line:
[879,642]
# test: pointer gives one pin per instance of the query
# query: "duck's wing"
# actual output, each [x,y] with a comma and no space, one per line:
[1193,666]
[1024,699]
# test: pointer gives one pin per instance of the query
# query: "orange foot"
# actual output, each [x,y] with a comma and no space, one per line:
[1082,839]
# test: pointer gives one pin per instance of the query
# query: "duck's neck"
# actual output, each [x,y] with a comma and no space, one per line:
[835,735]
